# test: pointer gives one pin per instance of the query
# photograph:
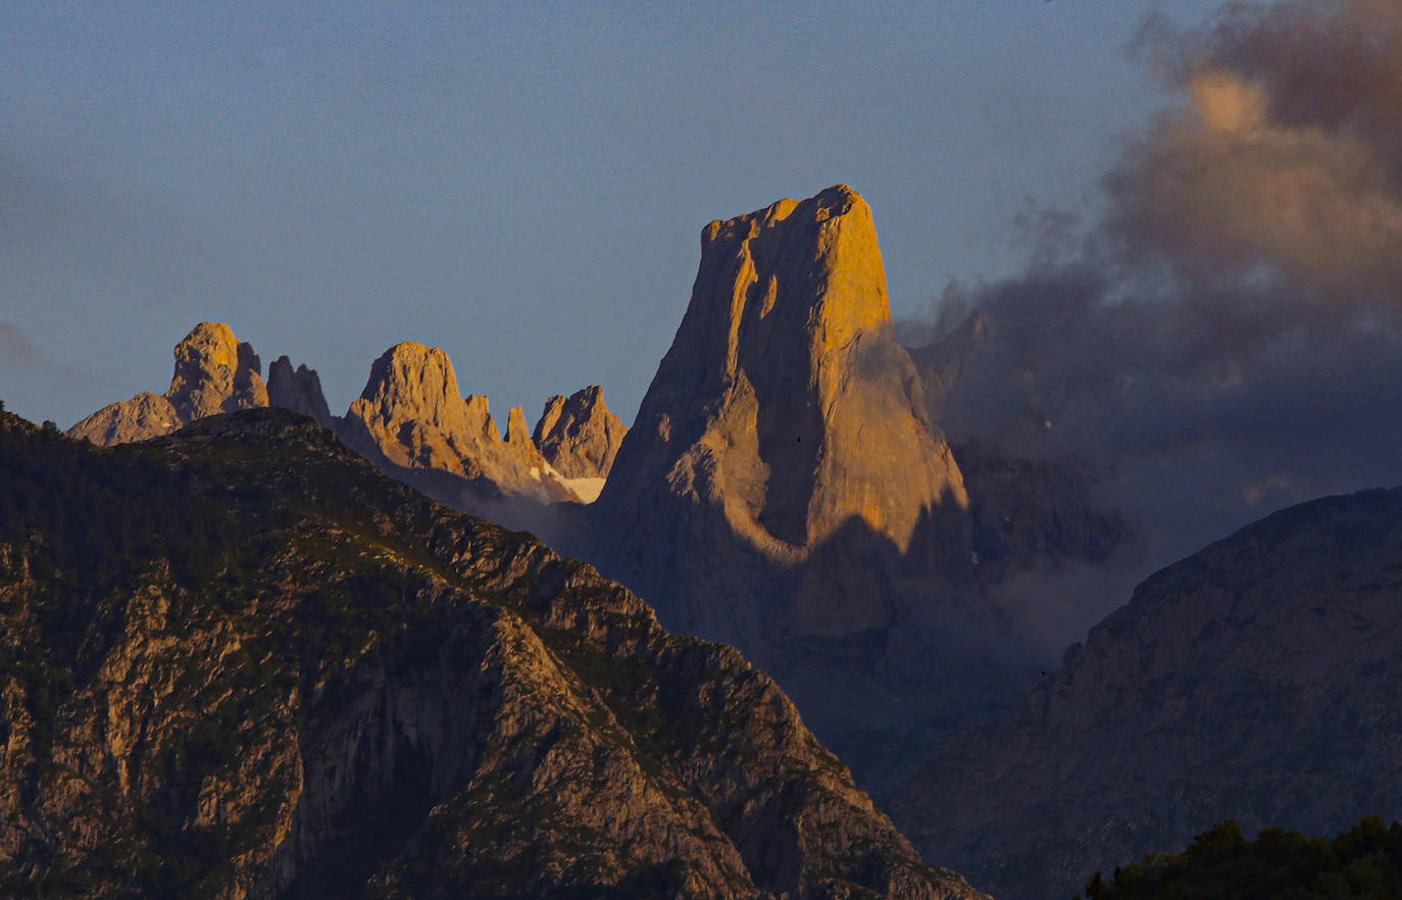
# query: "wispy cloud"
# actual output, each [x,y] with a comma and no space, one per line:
[16,352]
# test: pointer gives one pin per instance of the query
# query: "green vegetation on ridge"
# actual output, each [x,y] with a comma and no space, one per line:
[1365,861]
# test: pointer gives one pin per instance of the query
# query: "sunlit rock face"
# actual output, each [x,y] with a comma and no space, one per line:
[413,420]
[410,419]
[146,415]
[1256,680]
[784,403]
[579,435]
[215,372]
[783,488]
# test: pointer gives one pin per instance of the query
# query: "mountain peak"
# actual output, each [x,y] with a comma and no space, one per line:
[580,435]
[215,372]
[784,400]
[411,410]
[412,416]
[817,261]
[298,390]
[517,432]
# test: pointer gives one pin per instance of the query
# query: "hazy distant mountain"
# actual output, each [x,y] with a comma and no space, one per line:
[1256,680]
[237,661]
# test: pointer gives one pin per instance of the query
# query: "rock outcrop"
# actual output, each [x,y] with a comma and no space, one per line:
[1255,680]
[783,488]
[579,435]
[215,373]
[298,390]
[784,403]
[336,688]
[412,420]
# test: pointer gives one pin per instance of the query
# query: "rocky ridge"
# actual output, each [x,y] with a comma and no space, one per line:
[1254,680]
[215,372]
[298,390]
[412,419]
[337,688]
[579,435]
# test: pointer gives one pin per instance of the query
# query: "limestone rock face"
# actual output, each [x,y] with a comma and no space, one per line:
[214,373]
[783,488]
[412,419]
[298,390]
[146,415]
[517,432]
[337,688]
[580,435]
[1256,680]
[784,403]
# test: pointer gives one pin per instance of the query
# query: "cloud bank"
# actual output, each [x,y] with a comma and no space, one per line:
[1226,338]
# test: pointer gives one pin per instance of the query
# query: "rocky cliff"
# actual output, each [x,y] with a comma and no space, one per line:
[413,421]
[784,403]
[237,661]
[784,489]
[1255,680]
[214,372]
[579,435]
[298,390]
[410,419]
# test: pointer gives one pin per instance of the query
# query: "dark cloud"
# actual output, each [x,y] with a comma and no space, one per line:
[1227,339]
[16,352]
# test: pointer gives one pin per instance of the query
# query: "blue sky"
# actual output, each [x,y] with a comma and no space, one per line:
[522,185]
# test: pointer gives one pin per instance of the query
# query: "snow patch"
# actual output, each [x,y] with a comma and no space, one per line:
[586,489]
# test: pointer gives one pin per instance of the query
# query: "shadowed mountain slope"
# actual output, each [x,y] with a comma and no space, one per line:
[1255,680]
[238,661]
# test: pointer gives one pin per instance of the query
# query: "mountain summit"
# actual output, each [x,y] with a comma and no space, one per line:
[783,486]
[215,372]
[580,435]
[784,404]
[412,419]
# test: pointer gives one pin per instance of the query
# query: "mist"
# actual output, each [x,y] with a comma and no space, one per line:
[1222,339]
